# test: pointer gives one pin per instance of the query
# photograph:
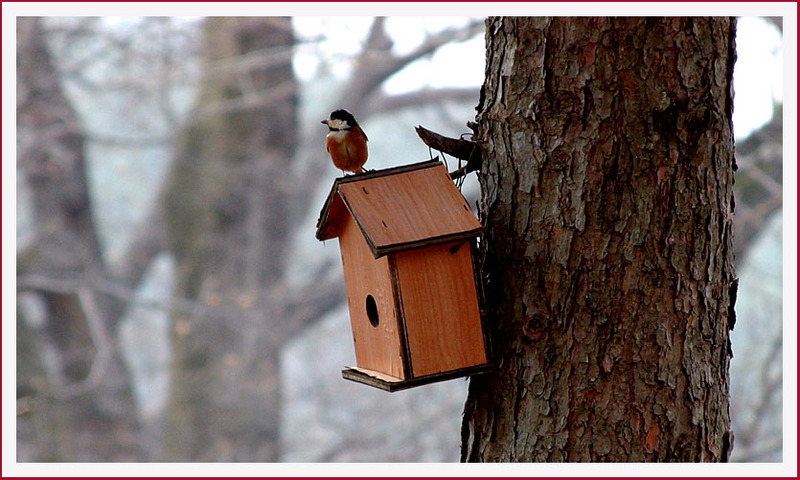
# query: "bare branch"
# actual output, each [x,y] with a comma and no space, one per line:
[42,283]
[757,454]
[381,103]
[314,300]
[777,21]
[434,42]
[772,186]
[760,159]
[125,141]
[102,345]
[378,40]
[275,96]
[769,388]
[249,61]
[771,133]
[377,64]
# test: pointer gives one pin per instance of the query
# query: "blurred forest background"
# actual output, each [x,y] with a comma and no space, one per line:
[172,301]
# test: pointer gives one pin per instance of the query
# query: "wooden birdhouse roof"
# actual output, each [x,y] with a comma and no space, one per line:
[399,208]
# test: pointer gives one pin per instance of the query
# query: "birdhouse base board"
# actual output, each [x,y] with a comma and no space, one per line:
[394,384]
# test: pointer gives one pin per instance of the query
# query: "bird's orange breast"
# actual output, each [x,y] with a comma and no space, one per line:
[348,150]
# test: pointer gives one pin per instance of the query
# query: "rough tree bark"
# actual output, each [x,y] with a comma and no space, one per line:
[608,249]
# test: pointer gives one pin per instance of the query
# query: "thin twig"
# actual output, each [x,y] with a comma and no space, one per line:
[75,286]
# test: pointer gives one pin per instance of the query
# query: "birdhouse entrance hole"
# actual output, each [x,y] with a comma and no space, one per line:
[372,311]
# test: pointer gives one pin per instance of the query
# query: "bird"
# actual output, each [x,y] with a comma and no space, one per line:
[346,141]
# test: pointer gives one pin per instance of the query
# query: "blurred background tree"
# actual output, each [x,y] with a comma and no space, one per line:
[173,304]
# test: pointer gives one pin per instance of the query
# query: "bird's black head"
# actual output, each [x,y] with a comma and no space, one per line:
[343,114]
[340,118]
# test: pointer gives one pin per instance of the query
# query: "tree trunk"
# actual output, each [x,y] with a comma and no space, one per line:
[83,409]
[226,208]
[608,248]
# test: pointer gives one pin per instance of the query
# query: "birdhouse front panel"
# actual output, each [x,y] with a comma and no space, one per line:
[440,308]
[371,302]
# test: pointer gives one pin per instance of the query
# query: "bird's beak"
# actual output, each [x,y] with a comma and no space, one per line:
[324,121]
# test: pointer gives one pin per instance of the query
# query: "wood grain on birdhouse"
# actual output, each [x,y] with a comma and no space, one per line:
[400,211]
[407,240]
[437,287]
[377,339]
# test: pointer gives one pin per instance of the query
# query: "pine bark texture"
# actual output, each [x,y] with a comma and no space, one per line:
[608,250]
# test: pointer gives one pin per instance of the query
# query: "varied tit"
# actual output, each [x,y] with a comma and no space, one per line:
[347,143]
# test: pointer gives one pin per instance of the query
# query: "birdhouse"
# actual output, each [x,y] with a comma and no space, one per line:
[407,240]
